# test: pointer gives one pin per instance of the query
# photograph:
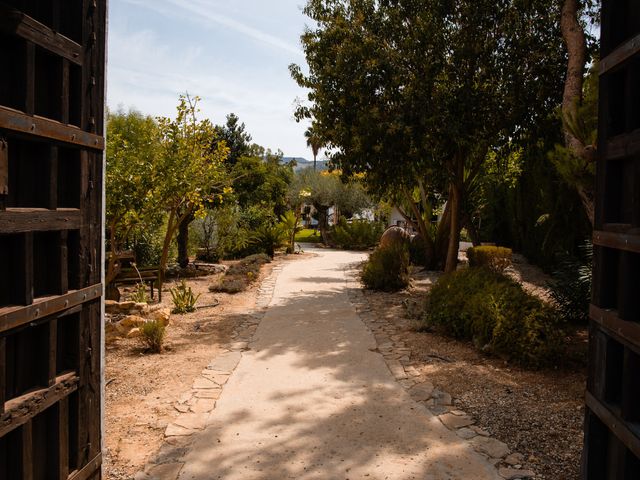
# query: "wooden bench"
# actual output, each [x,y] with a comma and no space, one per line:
[128,273]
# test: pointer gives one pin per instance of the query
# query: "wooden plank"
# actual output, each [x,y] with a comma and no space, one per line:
[25,257]
[620,55]
[63,273]
[65,87]
[21,220]
[30,78]
[3,372]
[20,410]
[27,450]
[52,337]
[88,470]
[621,147]
[63,439]
[4,173]
[626,433]
[619,241]
[52,180]
[46,129]
[13,317]
[17,23]
[627,332]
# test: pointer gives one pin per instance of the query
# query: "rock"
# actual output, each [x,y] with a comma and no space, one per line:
[201,383]
[422,391]
[131,321]
[111,307]
[203,405]
[515,459]
[397,370]
[466,433]
[442,398]
[490,446]
[167,471]
[192,421]
[394,236]
[125,307]
[134,332]
[225,362]
[514,473]
[161,315]
[455,421]
[174,430]
[480,431]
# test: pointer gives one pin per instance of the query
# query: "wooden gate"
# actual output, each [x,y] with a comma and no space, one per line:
[612,425]
[52,56]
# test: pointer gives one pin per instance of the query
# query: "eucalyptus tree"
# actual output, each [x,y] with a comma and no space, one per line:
[415,93]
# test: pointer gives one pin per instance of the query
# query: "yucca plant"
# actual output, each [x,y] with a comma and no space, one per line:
[184,300]
[152,335]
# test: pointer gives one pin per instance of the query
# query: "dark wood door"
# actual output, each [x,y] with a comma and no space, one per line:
[612,425]
[52,65]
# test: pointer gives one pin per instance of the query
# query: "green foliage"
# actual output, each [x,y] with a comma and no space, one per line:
[571,286]
[387,269]
[417,251]
[268,238]
[241,274]
[289,223]
[494,258]
[192,173]
[494,312]
[184,300]
[139,294]
[357,234]
[152,335]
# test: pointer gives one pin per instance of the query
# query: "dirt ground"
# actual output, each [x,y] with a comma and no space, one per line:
[536,413]
[142,388]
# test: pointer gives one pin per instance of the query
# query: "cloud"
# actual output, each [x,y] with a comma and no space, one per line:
[202,11]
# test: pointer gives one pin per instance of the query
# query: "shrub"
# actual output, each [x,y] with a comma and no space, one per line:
[387,269]
[139,294]
[571,286]
[241,275]
[268,238]
[417,251]
[494,258]
[152,335]
[184,301]
[357,235]
[495,312]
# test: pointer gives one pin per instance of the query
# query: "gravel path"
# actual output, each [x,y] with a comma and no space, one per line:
[312,398]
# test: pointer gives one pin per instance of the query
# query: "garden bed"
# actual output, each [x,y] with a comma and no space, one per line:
[537,413]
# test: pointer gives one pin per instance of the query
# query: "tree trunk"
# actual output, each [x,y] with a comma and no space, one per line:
[183,241]
[575,42]
[467,223]
[454,231]
[322,223]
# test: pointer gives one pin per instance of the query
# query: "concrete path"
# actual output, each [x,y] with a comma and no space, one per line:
[313,400]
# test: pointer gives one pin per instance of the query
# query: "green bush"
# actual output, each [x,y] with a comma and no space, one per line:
[495,312]
[387,269]
[241,275]
[268,238]
[152,335]
[184,301]
[357,235]
[494,258]
[571,286]
[417,251]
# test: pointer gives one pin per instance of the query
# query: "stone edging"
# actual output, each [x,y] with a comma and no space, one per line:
[397,355]
[197,405]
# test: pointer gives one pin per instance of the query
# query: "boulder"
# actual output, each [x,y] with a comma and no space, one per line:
[161,315]
[394,236]
[134,332]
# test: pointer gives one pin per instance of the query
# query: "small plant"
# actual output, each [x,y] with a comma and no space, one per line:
[497,259]
[387,269]
[184,301]
[571,286]
[139,294]
[268,238]
[241,275]
[152,335]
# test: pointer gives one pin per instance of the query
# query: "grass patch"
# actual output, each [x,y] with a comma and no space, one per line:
[308,235]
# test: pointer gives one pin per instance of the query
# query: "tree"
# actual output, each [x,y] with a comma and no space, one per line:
[234,135]
[579,153]
[132,155]
[191,173]
[416,93]
[314,142]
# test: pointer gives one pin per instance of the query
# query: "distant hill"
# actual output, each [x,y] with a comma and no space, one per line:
[302,163]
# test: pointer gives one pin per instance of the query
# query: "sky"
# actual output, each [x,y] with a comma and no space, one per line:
[234,54]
